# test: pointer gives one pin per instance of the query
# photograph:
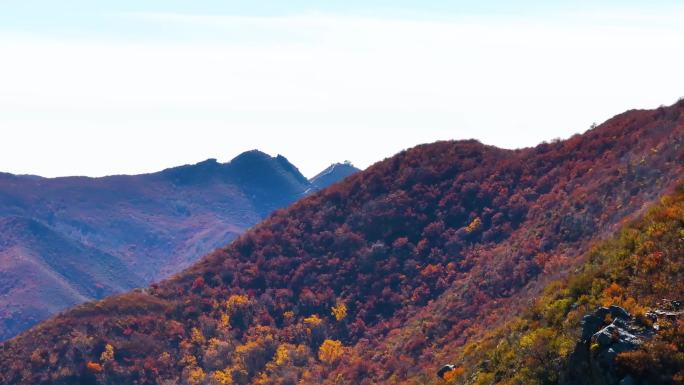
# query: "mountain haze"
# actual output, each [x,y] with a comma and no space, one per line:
[67,240]
[367,281]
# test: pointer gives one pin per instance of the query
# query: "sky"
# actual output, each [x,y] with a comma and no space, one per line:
[133,86]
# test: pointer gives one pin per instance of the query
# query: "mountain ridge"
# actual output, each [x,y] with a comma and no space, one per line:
[151,225]
[442,237]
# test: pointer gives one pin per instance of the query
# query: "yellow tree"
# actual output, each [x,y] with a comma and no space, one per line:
[108,354]
[339,311]
[330,351]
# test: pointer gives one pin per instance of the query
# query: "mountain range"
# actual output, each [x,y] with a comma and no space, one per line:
[67,240]
[495,261]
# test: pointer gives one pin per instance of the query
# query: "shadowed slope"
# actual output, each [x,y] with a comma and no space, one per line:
[60,282]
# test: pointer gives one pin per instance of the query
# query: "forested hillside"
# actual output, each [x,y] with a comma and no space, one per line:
[641,270]
[64,241]
[376,279]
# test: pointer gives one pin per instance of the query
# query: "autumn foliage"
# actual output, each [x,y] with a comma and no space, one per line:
[330,351]
[379,279]
[535,348]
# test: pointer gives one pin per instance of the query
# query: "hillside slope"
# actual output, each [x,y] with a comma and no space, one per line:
[553,341]
[87,273]
[67,240]
[362,282]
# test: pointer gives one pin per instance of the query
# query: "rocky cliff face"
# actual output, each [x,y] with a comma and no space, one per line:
[594,359]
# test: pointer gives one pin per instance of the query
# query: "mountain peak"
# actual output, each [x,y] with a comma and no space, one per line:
[251,156]
[267,178]
[334,173]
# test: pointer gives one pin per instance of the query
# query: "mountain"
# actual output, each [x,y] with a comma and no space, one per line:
[618,319]
[333,174]
[64,241]
[34,266]
[367,281]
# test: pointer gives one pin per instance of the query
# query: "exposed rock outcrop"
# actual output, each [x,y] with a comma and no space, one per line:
[444,370]
[606,333]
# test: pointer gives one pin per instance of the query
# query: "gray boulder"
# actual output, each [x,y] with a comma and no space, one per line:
[593,360]
[590,324]
[618,312]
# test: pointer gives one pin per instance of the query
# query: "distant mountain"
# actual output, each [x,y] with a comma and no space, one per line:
[383,277]
[42,272]
[333,174]
[68,240]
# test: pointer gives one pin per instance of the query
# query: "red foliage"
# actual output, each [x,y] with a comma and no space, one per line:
[420,247]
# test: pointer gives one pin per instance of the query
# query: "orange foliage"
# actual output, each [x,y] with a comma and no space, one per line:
[94,367]
[454,374]
[430,269]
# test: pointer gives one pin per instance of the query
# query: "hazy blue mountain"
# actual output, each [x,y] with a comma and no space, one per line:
[67,240]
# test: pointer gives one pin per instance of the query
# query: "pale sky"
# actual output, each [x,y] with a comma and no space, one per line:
[88,88]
